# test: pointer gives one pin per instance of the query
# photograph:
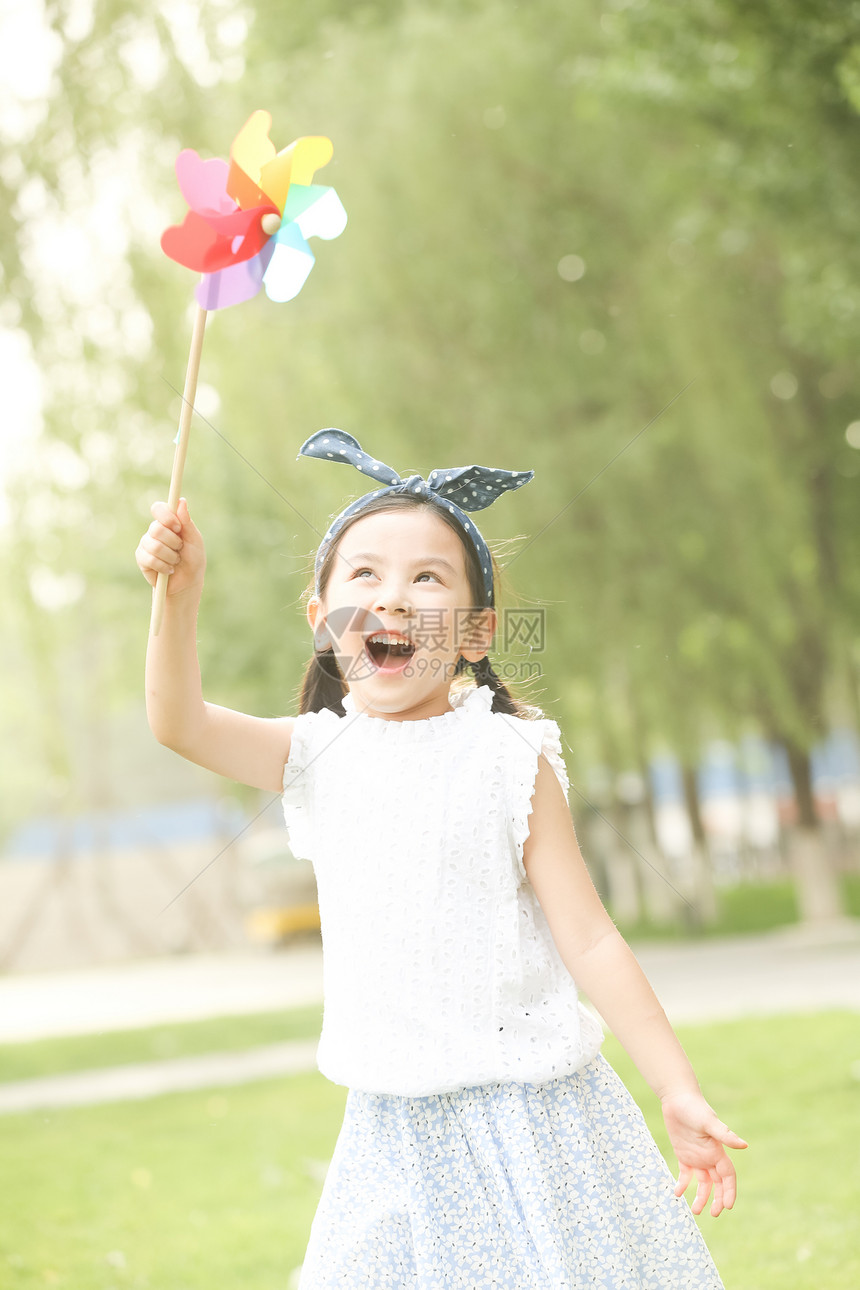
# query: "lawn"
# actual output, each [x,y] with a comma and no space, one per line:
[189,1039]
[791,1087]
[744,907]
[217,1189]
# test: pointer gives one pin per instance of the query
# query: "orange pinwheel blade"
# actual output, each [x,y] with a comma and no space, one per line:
[251,149]
[259,174]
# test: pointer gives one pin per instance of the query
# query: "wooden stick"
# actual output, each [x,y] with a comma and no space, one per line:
[185,414]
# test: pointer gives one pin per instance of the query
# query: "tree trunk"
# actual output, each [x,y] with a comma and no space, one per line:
[619,866]
[662,900]
[819,893]
[702,891]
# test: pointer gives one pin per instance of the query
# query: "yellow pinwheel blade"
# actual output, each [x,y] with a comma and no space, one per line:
[294,165]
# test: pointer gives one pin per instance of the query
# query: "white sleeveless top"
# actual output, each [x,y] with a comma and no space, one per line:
[439,968]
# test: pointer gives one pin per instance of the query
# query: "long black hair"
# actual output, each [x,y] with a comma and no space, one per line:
[323,685]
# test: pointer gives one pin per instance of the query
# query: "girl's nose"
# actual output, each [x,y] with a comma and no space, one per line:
[392,598]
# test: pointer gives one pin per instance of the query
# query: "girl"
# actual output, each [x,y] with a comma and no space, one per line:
[486,1141]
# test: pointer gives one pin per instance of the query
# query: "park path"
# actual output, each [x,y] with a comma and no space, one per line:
[793,970]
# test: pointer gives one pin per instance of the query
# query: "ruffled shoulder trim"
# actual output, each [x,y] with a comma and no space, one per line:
[530,739]
[296,797]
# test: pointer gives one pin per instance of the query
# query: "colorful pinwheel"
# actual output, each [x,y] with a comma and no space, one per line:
[247,226]
[249,220]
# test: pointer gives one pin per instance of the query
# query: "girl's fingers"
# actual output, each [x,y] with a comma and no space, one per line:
[143,564]
[714,1128]
[728,1182]
[723,1183]
[724,1134]
[161,533]
[684,1176]
[189,528]
[703,1191]
[161,566]
[719,1202]
[158,550]
[149,563]
[161,511]
[154,555]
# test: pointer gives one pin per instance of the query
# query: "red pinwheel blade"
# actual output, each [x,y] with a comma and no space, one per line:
[211,242]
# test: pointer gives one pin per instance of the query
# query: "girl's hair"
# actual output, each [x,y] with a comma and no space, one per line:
[323,685]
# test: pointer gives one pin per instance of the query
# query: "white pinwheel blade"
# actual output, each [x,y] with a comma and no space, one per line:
[324,218]
[291,262]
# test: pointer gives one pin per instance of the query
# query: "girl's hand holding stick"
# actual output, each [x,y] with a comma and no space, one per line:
[172,549]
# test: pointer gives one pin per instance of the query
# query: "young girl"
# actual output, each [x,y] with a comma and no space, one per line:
[486,1141]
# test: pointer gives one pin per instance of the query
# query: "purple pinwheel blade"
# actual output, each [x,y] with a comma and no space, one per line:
[236,283]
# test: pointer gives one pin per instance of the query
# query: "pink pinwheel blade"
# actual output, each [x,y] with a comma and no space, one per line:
[203,184]
[236,283]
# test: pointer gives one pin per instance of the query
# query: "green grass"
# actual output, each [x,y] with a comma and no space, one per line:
[744,908]
[219,1034]
[218,1188]
[791,1087]
[184,1192]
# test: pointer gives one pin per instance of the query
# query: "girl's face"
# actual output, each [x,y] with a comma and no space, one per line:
[397,609]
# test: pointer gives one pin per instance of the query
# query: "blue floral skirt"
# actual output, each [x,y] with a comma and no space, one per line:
[556,1186]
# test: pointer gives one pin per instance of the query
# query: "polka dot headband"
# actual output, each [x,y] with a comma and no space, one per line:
[474,487]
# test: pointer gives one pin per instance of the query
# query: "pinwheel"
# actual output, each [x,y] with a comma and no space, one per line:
[247,227]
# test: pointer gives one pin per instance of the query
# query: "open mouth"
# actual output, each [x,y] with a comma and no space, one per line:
[389,651]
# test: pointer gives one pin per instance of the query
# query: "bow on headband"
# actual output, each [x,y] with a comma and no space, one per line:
[474,487]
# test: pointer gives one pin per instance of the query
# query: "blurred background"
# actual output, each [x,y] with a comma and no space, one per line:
[610,240]
[613,241]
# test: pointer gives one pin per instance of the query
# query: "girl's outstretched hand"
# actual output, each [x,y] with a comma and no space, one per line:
[699,1139]
[172,544]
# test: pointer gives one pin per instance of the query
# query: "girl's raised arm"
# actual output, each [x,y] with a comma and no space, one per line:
[251,750]
[604,967]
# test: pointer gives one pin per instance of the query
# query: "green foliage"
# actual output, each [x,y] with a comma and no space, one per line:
[624,255]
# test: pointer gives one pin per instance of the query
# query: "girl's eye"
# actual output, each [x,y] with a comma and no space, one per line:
[359,573]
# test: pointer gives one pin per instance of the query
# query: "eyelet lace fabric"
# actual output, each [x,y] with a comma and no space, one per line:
[439,968]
